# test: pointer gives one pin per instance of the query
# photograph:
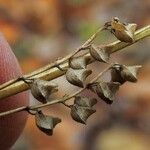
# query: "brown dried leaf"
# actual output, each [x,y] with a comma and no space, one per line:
[77,77]
[99,53]
[46,123]
[42,89]
[105,90]
[81,114]
[78,62]
[84,101]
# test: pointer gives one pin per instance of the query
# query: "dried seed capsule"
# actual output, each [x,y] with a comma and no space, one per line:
[77,77]
[123,32]
[122,73]
[46,123]
[84,101]
[79,62]
[99,53]
[116,74]
[82,109]
[81,114]
[42,89]
[105,90]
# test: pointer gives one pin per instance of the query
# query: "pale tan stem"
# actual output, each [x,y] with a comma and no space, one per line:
[52,73]
[35,107]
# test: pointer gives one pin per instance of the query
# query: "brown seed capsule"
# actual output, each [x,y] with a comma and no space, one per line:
[105,90]
[41,89]
[77,77]
[116,74]
[99,53]
[123,32]
[129,73]
[79,62]
[82,108]
[84,101]
[46,123]
[81,114]
[122,73]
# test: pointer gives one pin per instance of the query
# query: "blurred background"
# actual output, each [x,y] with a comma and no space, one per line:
[40,31]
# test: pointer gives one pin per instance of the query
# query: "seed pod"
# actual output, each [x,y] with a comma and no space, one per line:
[81,114]
[116,74]
[82,108]
[123,32]
[46,123]
[84,101]
[79,62]
[117,25]
[77,77]
[126,35]
[99,53]
[131,27]
[122,73]
[105,90]
[129,73]
[41,89]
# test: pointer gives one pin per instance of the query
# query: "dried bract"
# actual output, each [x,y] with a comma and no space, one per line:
[46,123]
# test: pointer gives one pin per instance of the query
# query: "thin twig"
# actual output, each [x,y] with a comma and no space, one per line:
[53,73]
[13,111]
[35,107]
[69,106]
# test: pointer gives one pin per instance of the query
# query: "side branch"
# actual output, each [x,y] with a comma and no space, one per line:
[36,107]
[18,86]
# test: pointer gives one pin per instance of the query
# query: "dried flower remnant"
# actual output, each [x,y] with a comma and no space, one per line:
[41,89]
[99,53]
[105,90]
[124,32]
[46,123]
[82,109]
[122,73]
[77,76]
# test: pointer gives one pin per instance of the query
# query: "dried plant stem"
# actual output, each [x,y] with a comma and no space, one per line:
[35,107]
[13,111]
[51,71]
[139,35]
[85,45]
